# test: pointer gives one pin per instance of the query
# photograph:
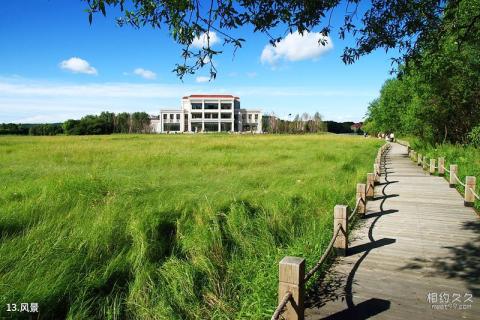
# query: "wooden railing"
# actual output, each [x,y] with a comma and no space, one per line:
[470,195]
[292,277]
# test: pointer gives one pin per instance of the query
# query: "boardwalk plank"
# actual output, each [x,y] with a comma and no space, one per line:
[417,238]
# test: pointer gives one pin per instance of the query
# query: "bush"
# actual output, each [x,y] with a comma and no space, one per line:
[474,136]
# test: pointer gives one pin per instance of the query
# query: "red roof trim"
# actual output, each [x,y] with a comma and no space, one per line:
[210,96]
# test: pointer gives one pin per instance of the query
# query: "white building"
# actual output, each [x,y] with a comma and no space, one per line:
[209,113]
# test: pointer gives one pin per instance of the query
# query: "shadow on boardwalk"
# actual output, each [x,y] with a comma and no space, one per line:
[462,262]
[416,240]
[328,287]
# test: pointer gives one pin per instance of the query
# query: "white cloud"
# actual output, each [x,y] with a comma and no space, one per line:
[78,65]
[201,41]
[202,79]
[146,74]
[295,47]
[251,74]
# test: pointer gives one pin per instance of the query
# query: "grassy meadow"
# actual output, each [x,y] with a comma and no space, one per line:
[166,227]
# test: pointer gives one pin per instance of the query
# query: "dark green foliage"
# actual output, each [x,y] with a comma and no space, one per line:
[339,127]
[13,128]
[107,123]
[436,97]
[474,137]
[48,129]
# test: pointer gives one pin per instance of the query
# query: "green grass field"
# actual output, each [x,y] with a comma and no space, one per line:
[166,227]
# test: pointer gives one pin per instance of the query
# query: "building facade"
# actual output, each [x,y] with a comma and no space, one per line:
[209,113]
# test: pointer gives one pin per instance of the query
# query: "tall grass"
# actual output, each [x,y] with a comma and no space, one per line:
[466,157]
[166,227]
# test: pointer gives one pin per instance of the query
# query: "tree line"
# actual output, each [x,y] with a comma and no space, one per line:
[109,122]
[105,123]
[437,96]
[300,124]
[47,129]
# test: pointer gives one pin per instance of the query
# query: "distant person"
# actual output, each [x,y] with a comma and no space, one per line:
[392,137]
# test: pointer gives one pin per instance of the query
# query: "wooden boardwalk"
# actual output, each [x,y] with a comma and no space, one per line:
[417,247]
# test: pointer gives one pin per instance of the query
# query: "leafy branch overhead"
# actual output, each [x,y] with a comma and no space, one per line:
[405,25]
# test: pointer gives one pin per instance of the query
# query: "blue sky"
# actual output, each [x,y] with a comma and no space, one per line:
[124,69]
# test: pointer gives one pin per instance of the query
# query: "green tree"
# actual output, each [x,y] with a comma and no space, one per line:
[436,97]
[122,123]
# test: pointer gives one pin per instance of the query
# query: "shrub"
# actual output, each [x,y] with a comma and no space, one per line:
[474,136]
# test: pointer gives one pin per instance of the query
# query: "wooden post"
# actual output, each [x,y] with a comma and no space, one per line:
[361,188]
[432,166]
[414,158]
[371,183]
[340,219]
[291,278]
[469,197]
[419,159]
[441,166]
[376,170]
[453,172]
[424,162]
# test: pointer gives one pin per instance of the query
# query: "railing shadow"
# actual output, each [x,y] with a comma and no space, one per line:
[379,214]
[384,197]
[329,286]
[385,183]
[363,310]
[370,246]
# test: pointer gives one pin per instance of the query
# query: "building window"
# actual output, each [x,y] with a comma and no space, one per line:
[171,127]
[196,127]
[226,116]
[211,115]
[196,116]
[211,105]
[178,116]
[244,117]
[171,116]
[164,116]
[249,118]
[211,126]
[256,118]
[226,126]
[226,106]
[196,105]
